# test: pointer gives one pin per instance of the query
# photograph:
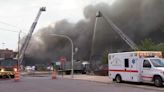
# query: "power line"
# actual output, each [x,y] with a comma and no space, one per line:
[8,24]
[3,29]
[4,23]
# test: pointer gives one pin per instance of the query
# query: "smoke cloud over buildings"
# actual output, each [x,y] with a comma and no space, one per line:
[139,19]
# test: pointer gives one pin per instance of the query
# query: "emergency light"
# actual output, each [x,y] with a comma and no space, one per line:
[149,54]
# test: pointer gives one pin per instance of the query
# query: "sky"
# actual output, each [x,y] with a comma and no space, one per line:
[18,15]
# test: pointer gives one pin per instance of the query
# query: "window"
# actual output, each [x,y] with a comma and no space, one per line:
[146,64]
[126,62]
[8,63]
[157,62]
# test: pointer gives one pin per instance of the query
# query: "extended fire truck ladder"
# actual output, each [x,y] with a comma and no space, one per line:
[116,29]
[119,31]
[29,35]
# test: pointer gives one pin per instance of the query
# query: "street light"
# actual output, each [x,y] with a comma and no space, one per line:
[72,62]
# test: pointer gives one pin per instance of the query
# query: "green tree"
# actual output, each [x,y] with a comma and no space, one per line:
[160,47]
[147,45]
[105,57]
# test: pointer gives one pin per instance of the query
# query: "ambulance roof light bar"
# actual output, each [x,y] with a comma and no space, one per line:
[149,54]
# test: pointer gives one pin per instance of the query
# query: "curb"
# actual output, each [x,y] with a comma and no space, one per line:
[122,84]
[108,82]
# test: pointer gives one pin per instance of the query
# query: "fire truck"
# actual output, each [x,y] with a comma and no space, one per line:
[8,63]
[8,67]
[137,66]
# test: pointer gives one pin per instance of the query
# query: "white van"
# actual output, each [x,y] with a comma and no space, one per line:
[138,66]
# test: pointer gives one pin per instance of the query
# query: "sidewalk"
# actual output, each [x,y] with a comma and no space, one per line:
[94,78]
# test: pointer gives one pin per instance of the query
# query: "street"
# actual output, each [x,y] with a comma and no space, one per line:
[45,84]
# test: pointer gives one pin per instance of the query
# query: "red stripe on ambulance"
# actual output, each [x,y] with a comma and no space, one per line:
[136,71]
[146,77]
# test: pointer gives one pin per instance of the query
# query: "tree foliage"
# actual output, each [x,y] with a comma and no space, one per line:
[105,57]
[149,45]
[146,45]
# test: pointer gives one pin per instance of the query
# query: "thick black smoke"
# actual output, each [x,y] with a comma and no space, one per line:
[139,19]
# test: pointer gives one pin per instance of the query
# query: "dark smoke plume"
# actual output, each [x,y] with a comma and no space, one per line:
[139,19]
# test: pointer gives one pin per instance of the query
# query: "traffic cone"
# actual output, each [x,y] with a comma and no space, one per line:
[54,74]
[17,76]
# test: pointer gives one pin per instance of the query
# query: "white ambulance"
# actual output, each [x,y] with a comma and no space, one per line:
[137,66]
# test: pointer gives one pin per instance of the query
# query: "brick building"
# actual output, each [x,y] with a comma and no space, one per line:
[6,53]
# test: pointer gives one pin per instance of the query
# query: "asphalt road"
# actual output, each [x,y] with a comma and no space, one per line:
[45,84]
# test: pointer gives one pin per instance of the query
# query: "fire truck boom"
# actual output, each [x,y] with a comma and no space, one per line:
[29,35]
[119,31]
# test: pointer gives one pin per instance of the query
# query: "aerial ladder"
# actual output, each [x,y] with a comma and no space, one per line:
[119,31]
[25,44]
[116,29]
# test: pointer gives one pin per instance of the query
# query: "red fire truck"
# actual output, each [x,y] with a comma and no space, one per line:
[8,67]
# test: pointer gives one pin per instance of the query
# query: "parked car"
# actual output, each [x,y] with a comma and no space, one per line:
[103,70]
